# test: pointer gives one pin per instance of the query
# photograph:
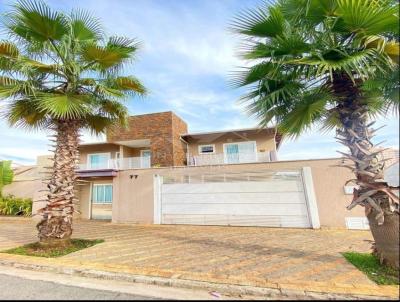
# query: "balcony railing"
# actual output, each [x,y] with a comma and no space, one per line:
[223,158]
[118,164]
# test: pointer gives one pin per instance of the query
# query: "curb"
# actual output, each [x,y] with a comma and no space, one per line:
[227,289]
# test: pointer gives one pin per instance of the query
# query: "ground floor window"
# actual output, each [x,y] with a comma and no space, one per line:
[102,193]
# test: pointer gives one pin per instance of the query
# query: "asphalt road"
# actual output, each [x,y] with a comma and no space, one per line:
[18,288]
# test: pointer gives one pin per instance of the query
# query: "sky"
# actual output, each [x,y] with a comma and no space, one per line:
[185,60]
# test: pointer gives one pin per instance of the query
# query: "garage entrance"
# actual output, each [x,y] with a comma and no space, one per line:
[266,198]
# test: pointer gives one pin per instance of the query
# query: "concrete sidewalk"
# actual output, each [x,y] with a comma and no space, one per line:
[276,260]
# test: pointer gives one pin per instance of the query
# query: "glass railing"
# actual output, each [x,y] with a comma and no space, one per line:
[118,164]
[224,158]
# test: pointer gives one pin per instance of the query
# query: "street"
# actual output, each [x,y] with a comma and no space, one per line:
[19,288]
[18,284]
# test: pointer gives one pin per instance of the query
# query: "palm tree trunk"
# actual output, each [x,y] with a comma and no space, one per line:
[55,228]
[381,204]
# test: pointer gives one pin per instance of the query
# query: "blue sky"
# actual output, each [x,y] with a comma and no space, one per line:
[185,61]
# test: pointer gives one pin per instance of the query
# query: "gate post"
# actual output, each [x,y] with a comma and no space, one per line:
[157,199]
[311,199]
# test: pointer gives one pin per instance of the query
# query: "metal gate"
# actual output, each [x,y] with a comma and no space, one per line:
[262,198]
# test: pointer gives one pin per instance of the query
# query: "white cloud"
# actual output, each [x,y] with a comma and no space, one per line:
[186,57]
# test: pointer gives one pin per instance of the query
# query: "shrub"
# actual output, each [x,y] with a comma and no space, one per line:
[11,205]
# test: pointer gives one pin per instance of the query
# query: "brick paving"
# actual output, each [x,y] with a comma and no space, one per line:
[240,255]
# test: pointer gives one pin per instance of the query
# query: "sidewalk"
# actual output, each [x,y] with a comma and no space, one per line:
[271,290]
[266,261]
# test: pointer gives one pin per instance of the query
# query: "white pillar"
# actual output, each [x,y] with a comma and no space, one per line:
[311,198]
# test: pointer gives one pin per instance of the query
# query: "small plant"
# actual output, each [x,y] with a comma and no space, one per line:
[38,250]
[6,173]
[11,205]
[369,264]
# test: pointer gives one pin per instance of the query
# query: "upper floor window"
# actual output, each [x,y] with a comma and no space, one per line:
[205,149]
[98,160]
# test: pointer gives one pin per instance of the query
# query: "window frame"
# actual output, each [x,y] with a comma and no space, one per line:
[207,145]
[239,143]
[88,162]
[102,202]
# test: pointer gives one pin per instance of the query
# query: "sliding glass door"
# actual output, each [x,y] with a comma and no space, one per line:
[242,152]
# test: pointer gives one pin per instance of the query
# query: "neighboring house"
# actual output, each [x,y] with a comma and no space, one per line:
[392,174]
[156,171]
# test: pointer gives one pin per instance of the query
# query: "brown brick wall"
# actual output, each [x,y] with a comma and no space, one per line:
[163,130]
[179,127]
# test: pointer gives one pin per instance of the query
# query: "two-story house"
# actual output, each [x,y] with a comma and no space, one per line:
[162,140]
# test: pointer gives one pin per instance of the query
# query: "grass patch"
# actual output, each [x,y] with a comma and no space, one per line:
[369,264]
[35,249]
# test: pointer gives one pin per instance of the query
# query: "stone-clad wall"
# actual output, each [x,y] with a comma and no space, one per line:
[179,127]
[162,129]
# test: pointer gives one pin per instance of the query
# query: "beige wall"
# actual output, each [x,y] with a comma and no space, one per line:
[134,197]
[264,142]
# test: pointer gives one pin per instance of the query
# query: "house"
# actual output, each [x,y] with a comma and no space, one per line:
[162,140]
[156,171]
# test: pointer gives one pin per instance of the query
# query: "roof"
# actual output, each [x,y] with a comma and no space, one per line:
[226,131]
[94,143]
[278,136]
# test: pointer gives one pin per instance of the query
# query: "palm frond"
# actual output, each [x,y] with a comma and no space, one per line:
[35,21]
[308,110]
[259,22]
[111,56]
[98,124]
[24,113]
[258,72]
[367,17]
[8,50]
[130,85]
[85,27]
[64,106]
[287,44]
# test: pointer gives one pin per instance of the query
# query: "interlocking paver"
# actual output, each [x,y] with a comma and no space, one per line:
[243,255]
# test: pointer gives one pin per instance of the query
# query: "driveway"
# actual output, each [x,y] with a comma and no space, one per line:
[236,255]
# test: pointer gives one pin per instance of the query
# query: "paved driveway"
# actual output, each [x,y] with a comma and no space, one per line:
[240,255]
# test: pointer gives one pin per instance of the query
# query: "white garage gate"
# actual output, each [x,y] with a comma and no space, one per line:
[264,198]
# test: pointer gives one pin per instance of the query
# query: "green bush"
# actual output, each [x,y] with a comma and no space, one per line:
[11,205]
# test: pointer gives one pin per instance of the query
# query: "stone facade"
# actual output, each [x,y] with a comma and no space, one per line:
[162,129]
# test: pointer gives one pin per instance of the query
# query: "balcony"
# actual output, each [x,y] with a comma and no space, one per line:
[235,158]
[117,164]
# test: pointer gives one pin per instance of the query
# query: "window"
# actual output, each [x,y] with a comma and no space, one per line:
[98,160]
[102,193]
[204,149]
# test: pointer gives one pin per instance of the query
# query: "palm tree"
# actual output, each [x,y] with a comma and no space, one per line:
[6,174]
[59,72]
[332,63]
